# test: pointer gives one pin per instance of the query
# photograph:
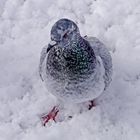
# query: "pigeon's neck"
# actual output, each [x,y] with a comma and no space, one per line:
[76,60]
[76,37]
[82,43]
[84,50]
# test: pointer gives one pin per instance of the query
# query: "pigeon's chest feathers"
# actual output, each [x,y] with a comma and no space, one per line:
[72,62]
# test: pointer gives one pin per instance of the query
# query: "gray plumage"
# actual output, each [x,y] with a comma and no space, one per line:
[74,69]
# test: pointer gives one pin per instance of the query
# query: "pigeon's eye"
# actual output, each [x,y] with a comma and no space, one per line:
[65,35]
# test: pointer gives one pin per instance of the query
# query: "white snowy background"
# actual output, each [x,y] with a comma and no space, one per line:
[25,28]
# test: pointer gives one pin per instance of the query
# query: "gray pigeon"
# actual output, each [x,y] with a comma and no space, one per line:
[75,69]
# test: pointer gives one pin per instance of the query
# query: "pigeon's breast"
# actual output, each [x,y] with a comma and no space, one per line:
[78,87]
[73,63]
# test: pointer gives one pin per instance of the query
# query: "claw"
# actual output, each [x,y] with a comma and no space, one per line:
[92,104]
[52,115]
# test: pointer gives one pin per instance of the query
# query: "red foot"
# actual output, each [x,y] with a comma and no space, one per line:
[92,104]
[50,116]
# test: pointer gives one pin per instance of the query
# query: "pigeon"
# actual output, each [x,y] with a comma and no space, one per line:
[75,69]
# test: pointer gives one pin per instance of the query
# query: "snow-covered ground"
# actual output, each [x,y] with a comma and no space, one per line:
[25,28]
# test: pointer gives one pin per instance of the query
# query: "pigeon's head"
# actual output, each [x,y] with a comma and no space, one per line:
[64,30]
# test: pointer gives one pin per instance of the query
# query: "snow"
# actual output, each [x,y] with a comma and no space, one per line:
[25,28]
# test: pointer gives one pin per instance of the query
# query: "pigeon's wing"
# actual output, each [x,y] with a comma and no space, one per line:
[101,50]
[42,60]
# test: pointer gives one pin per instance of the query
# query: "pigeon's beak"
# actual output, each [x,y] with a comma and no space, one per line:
[51,45]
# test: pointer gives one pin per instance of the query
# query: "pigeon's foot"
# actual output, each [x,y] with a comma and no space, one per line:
[63,113]
[92,104]
[50,116]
